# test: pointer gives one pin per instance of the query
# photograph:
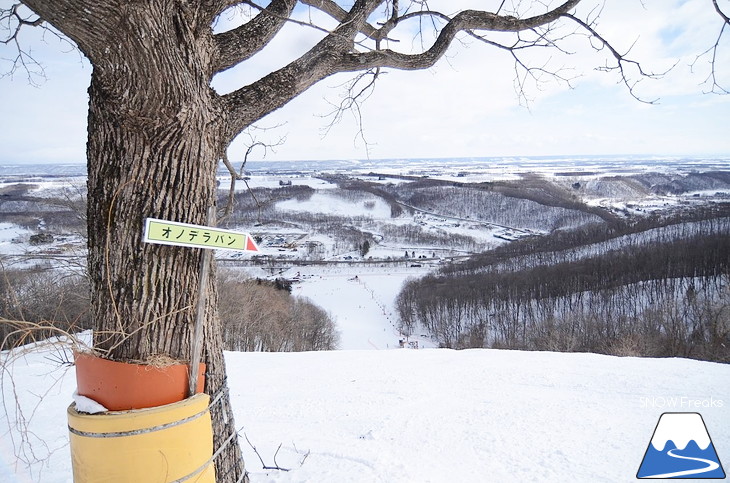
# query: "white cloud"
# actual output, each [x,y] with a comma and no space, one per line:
[464,106]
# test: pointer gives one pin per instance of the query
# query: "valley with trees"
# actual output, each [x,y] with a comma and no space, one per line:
[609,263]
[564,260]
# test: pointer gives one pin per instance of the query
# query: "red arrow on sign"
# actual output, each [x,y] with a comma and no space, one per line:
[251,244]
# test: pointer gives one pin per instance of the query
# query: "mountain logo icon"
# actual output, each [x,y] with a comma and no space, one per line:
[681,448]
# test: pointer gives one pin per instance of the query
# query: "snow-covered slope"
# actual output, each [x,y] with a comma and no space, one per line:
[414,416]
[468,416]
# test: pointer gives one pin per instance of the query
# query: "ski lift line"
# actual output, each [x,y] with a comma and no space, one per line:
[466,220]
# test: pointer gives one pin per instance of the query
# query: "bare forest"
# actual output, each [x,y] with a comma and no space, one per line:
[525,264]
[44,291]
[659,292]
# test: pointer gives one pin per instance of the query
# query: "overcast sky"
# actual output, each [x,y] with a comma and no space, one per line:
[466,106]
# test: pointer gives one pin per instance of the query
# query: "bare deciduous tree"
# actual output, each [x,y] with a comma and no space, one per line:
[156,128]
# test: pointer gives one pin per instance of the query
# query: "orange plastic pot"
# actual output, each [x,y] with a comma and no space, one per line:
[120,386]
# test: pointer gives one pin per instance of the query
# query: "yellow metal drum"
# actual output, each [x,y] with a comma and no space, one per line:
[171,443]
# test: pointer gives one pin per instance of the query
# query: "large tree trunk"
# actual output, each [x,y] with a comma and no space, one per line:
[156,131]
[152,151]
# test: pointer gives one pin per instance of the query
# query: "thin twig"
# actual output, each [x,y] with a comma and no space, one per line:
[264,465]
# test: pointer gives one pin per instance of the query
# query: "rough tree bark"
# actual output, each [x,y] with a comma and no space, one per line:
[154,139]
[152,151]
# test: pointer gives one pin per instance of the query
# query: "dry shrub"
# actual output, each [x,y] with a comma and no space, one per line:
[258,316]
[36,304]
[631,345]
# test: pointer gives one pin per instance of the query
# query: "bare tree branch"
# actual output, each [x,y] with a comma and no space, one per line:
[285,84]
[623,63]
[212,9]
[543,37]
[239,44]
[12,20]
[355,95]
[239,175]
[712,52]
[723,15]
[343,48]
[338,13]
[335,54]
[264,465]
[462,21]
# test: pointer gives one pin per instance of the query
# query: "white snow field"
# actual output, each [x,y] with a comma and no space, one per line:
[431,415]
[361,302]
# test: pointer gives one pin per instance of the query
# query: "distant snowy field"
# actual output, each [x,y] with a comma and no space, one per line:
[10,232]
[596,176]
[373,413]
[413,415]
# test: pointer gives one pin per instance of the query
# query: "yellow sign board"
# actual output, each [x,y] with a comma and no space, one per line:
[186,235]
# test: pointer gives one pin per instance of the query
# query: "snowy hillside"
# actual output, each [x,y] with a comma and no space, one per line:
[468,416]
[371,412]
[436,209]
[413,416]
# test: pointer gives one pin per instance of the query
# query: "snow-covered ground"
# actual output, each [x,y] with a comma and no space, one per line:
[11,237]
[623,185]
[404,415]
[371,412]
[361,301]
[327,204]
[469,416]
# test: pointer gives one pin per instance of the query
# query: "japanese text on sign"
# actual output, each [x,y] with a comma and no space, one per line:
[183,234]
